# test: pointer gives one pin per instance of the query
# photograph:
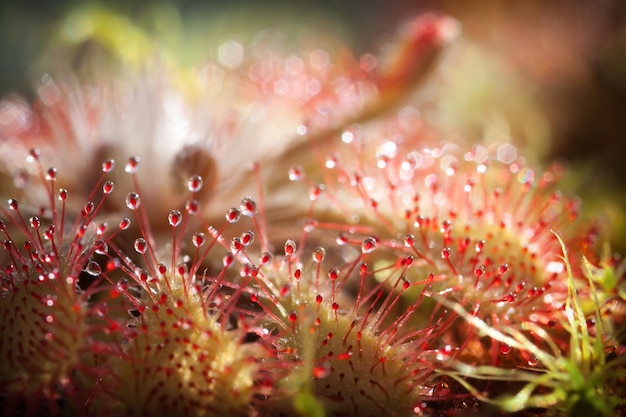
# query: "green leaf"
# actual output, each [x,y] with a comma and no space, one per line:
[307,405]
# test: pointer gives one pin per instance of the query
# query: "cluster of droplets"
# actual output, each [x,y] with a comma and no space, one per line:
[48,319]
[479,227]
[149,298]
[332,328]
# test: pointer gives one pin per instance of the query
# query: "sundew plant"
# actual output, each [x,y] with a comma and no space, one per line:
[280,231]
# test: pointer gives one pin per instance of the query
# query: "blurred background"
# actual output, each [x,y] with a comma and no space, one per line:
[549,74]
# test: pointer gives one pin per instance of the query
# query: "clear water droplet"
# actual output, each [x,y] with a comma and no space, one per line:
[248,207]
[192,207]
[122,285]
[479,271]
[333,274]
[35,222]
[88,208]
[107,166]
[100,247]
[107,187]
[228,259]
[101,228]
[198,239]
[140,245]
[296,173]
[62,194]
[124,223]
[342,240]
[33,155]
[175,218]
[266,258]
[132,166]
[133,201]
[194,183]
[368,245]
[247,238]
[233,215]
[315,192]
[290,247]
[93,269]
[319,254]
[51,174]
[236,245]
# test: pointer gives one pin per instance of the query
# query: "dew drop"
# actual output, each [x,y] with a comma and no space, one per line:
[133,201]
[49,233]
[480,245]
[13,204]
[107,187]
[233,215]
[228,259]
[93,269]
[140,245]
[194,183]
[333,274]
[122,285]
[247,238]
[428,291]
[192,207]
[100,247]
[141,275]
[290,247]
[107,166]
[132,166]
[296,173]
[35,222]
[198,239]
[88,208]
[124,223]
[319,254]
[266,258]
[505,349]
[331,162]
[445,253]
[368,245]
[342,240]
[479,271]
[248,207]
[409,241]
[174,218]
[315,192]
[503,268]
[33,155]
[51,174]
[62,194]
[236,245]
